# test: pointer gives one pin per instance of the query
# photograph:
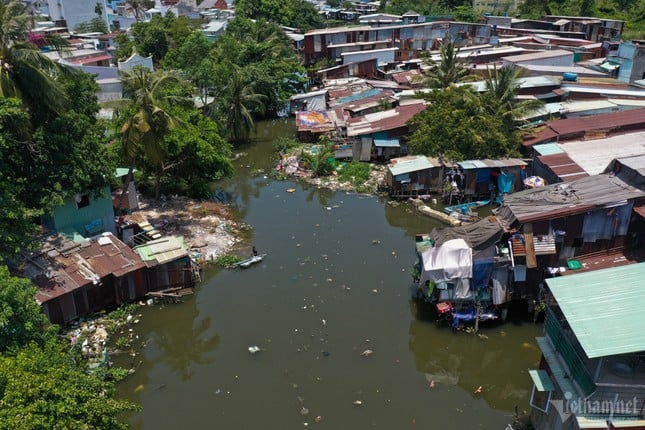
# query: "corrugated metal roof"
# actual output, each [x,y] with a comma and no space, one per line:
[482,164]
[604,308]
[563,166]
[593,156]
[383,121]
[563,128]
[558,200]
[411,163]
[162,250]
[538,55]
[548,149]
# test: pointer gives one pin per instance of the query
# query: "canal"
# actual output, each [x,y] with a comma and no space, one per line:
[342,345]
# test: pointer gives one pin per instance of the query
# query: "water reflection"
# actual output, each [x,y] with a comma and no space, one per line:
[493,360]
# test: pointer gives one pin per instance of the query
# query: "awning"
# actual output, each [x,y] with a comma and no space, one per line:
[541,380]
[390,143]
[610,67]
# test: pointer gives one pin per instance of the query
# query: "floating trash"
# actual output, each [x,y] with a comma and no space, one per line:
[358,402]
[367,353]
[254,349]
[304,411]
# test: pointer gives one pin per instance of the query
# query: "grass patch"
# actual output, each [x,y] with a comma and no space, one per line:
[355,172]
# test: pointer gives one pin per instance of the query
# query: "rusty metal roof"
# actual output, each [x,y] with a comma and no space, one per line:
[383,121]
[63,266]
[563,199]
[563,166]
[563,128]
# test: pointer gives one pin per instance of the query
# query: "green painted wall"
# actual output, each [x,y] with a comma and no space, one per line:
[69,217]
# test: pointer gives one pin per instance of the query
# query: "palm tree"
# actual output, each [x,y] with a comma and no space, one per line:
[138,7]
[143,131]
[24,72]
[450,69]
[502,85]
[239,102]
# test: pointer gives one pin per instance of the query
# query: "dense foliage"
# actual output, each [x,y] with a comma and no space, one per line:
[300,14]
[456,125]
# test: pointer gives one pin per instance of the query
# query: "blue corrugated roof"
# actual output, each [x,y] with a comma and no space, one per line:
[391,143]
[360,96]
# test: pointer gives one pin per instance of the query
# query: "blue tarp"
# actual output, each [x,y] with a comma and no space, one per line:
[504,186]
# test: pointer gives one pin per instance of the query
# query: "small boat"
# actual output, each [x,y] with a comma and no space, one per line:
[464,208]
[247,262]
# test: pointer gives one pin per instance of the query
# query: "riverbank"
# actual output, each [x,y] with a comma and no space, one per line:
[208,228]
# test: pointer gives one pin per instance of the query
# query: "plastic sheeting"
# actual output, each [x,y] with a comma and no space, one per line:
[453,259]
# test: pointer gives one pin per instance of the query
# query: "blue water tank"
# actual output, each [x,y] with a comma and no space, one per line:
[570,76]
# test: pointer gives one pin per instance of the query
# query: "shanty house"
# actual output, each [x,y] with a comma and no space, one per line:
[168,264]
[592,371]
[552,228]
[475,179]
[76,279]
[413,175]
[84,215]
[462,264]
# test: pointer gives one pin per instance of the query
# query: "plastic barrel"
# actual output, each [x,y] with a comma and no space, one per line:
[569,76]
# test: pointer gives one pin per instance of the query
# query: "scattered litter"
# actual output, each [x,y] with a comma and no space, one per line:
[376,242]
[367,353]
[328,208]
[375,291]
[318,418]
[479,389]
[432,384]
[358,402]
[254,349]
[304,411]
[291,190]
[324,322]
[326,353]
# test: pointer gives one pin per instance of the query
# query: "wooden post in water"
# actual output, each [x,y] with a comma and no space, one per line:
[477,309]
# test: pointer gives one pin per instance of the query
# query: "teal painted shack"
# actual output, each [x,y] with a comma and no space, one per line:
[86,215]
[592,371]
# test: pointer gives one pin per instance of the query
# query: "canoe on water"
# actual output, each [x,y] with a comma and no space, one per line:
[465,207]
[247,262]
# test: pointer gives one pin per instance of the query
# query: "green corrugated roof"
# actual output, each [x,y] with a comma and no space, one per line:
[548,149]
[162,250]
[541,380]
[604,308]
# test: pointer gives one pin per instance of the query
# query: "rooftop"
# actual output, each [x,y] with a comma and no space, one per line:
[604,301]
[411,163]
[563,199]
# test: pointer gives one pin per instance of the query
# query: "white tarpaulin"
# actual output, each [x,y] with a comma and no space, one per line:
[452,260]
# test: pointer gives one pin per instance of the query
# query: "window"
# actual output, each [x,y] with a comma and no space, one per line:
[82,200]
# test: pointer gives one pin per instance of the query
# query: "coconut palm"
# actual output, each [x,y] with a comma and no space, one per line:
[148,120]
[138,7]
[239,102]
[502,85]
[25,73]
[450,69]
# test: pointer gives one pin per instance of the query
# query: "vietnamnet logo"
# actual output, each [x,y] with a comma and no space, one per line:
[616,406]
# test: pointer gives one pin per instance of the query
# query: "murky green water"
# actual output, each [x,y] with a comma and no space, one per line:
[336,282]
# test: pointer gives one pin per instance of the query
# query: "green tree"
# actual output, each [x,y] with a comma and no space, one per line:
[151,38]
[21,319]
[450,68]
[96,24]
[147,118]
[124,46]
[500,97]
[26,73]
[292,13]
[49,388]
[456,126]
[199,156]
[239,102]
